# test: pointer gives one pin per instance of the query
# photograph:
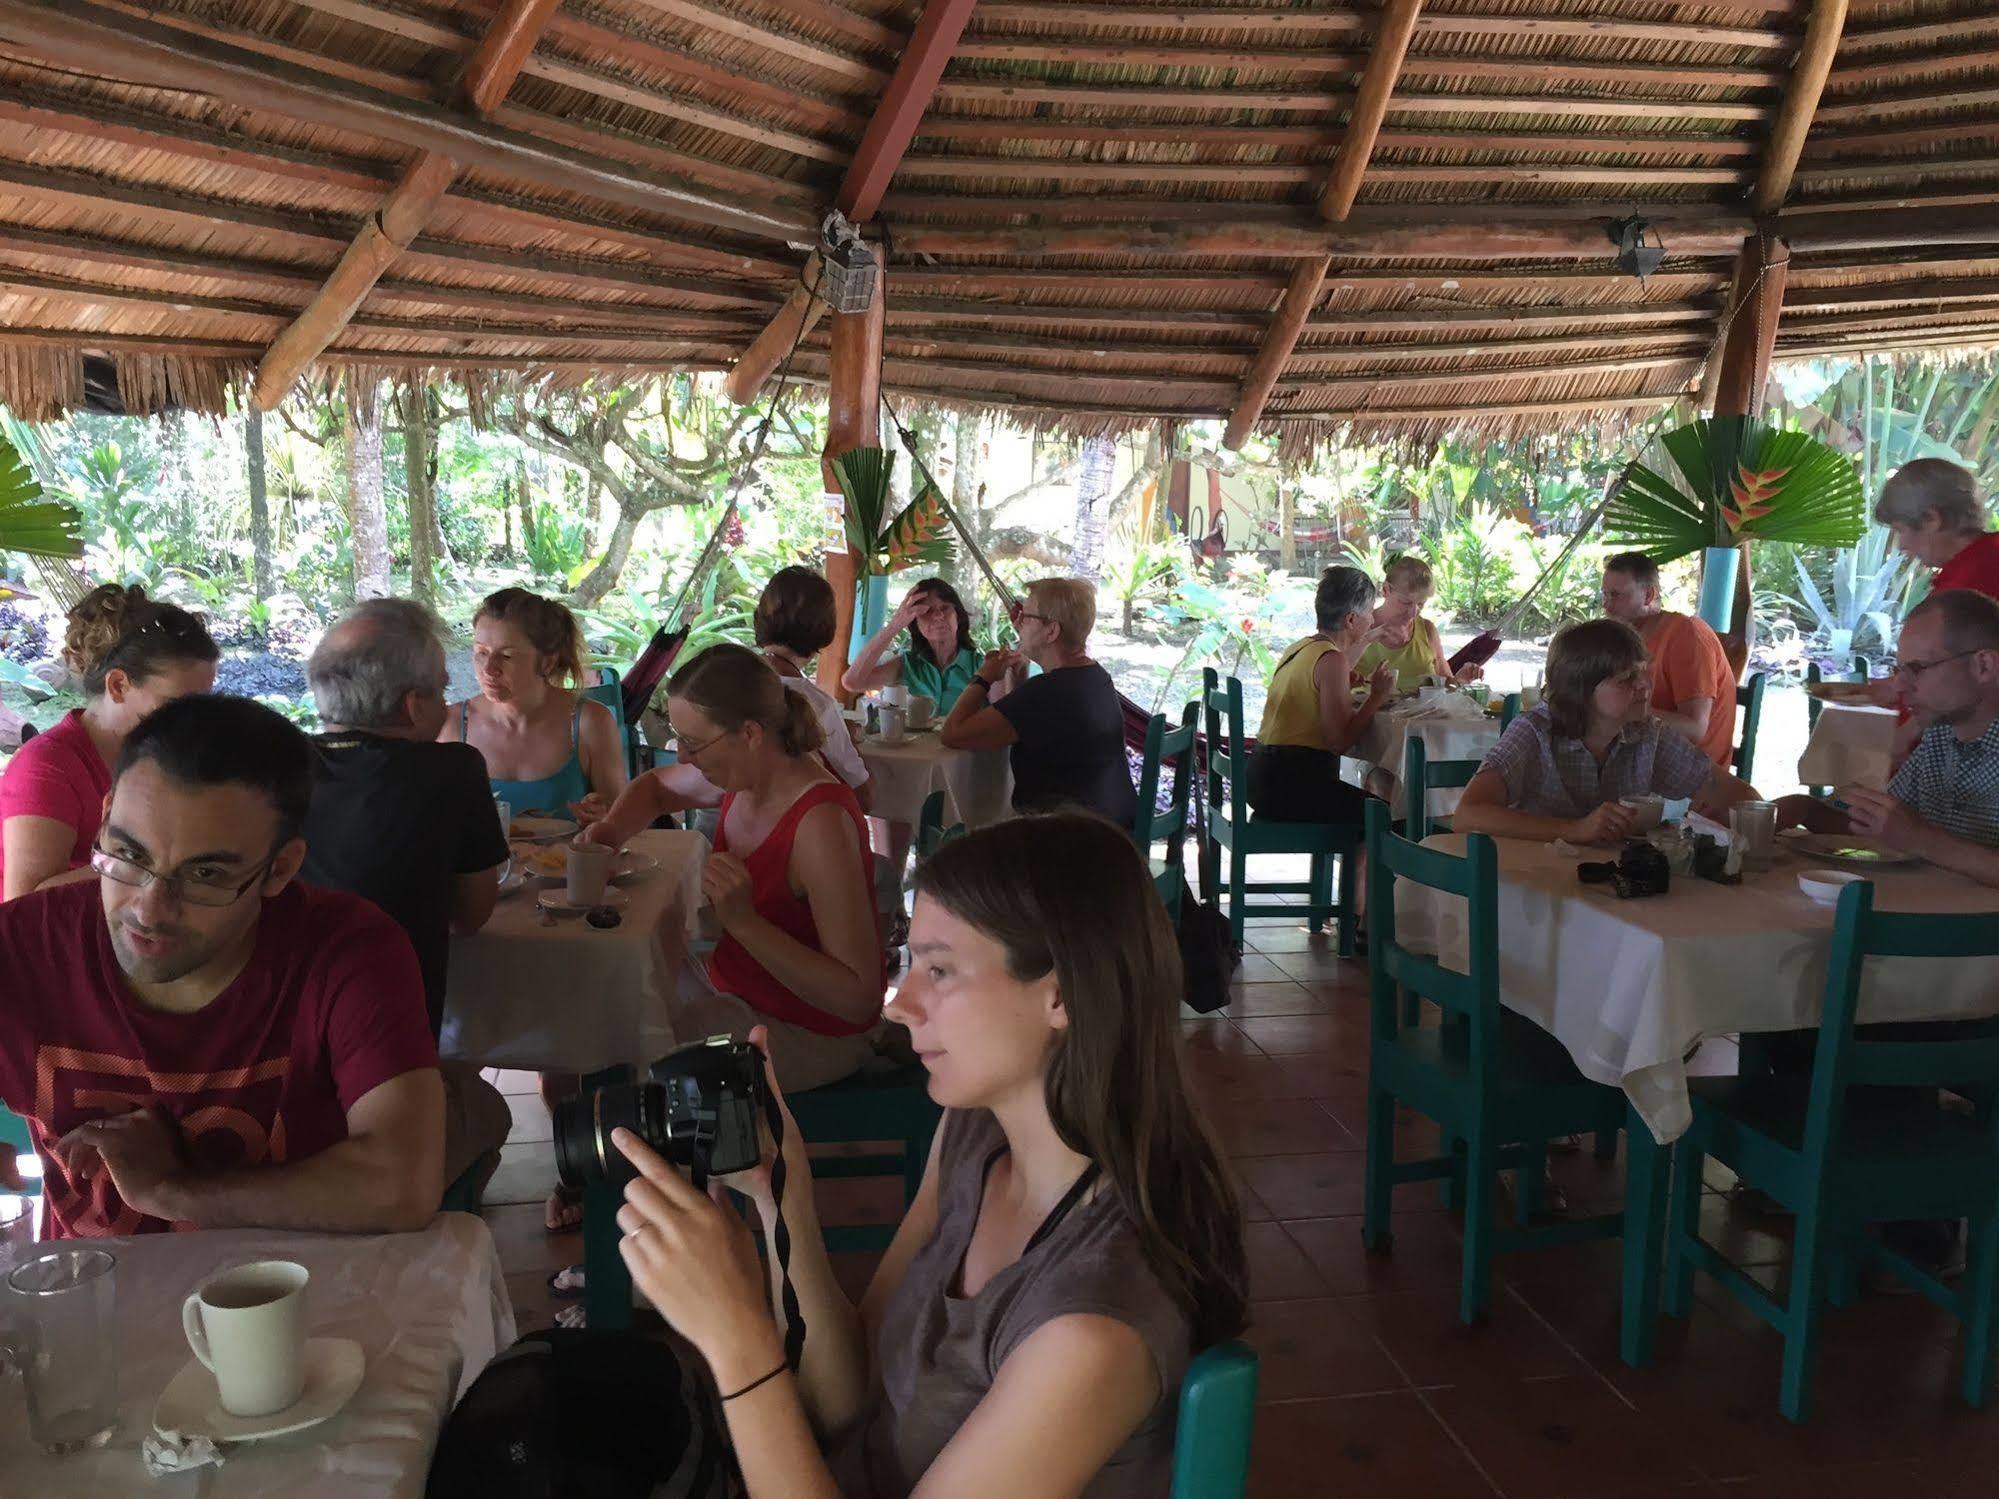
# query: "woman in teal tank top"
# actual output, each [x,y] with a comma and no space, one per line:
[548,749]
[939,659]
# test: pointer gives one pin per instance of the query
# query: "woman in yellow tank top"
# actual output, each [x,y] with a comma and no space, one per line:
[1404,639]
[1310,716]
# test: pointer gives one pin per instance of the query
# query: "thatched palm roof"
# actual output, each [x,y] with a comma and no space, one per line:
[1099,211]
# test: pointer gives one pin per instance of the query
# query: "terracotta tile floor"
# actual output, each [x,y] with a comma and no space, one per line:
[1369,1385]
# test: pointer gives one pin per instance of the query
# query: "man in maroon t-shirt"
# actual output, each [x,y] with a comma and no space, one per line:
[198,1041]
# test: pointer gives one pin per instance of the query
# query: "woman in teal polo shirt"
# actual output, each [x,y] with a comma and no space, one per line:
[940,657]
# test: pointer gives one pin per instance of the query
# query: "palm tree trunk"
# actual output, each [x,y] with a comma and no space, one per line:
[419,458]
[260,507]
[367,520]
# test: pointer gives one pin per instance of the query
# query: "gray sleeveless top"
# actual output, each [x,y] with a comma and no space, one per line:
[939,1352]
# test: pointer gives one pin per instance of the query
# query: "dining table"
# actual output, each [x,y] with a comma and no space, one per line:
[429,1310]
[1451,727]
[1631,987]
[977,784]
[1852,743]
[556,994]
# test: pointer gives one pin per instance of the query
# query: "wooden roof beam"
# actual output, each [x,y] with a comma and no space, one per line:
[1320,101]
[1801,102]
[100,39]
[1296,22]
[883,144]
[494,65]
[1370,108]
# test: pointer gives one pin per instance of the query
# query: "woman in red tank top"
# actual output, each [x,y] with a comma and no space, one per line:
[791,878]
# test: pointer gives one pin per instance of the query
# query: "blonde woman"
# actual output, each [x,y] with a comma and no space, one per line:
[1064,729]
[131,654]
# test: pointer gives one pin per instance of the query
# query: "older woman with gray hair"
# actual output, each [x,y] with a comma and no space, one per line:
[397,817]
[1932,508]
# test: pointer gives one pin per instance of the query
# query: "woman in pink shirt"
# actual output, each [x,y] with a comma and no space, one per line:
[131,654]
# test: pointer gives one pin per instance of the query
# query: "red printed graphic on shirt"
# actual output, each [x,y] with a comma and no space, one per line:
[228,1119]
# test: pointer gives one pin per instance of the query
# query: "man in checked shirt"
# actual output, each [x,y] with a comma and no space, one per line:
[1943,804]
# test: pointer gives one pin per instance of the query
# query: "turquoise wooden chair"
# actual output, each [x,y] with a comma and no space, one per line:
[1749,702]
[1229,825]
[1421,774]
[14,1132]
[610,692]
[1862,671]
[1860,1140]
[1492,1079]
[1174,747]
[1509,709]
[889,1107]
[932,832]
[1212,1432]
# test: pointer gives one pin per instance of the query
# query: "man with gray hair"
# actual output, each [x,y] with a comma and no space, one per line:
[1943,803]
[1932,508]
[397,817]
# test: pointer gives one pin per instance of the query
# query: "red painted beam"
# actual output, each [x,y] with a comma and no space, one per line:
[902,106]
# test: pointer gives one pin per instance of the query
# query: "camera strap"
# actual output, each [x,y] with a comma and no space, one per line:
[780,1239]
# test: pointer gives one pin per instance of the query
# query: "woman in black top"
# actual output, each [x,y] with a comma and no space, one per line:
[1064,728]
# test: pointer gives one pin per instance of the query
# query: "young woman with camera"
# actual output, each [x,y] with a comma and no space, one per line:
[1564,768]
[1075,1240]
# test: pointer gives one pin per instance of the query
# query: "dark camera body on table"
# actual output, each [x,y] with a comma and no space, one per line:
[1640,869]
[699,1109]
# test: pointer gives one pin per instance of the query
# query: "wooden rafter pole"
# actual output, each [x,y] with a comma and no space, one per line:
[494,66]
[1370,108]
[1809,71]
[890,130]
[853,420]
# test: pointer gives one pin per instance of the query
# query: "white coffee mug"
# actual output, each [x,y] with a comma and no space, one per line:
[895,695]
[895,725]
[589,870]
[1647,811]
[247,1326]
[920,709]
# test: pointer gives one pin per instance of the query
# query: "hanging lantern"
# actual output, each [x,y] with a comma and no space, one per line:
[847,280]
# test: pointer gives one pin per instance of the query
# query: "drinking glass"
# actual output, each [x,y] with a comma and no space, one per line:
[17,1224]
[60,1333]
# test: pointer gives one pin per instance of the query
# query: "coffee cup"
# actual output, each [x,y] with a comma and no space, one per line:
[895,724]
[895,696]
[588,872]
[1755,823]
[1647,812]
[247,1326]
[921,708]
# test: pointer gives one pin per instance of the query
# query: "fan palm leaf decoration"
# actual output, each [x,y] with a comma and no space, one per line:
[918,533]
[28,522]
[1735,479]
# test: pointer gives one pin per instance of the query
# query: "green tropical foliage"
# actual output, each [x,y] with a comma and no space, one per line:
[1736,480]
[917,535]
[28,522]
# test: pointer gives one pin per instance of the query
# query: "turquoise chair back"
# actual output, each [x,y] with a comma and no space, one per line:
[1421,775]
[1749,701]
[610,692]
[1228,755]
[1862,671]
[1509,709]
[14,1132]
[1164,747]
[1212,1434]
[1471,996]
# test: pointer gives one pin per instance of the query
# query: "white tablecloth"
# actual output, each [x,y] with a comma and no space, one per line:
[1850,742]
[1628,986]
[572,997]
[977,784]
[1458,732]
[428,1309]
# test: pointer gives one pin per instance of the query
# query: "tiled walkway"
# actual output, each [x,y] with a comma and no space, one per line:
[1371,1389]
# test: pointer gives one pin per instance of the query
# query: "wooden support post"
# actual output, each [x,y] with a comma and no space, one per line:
[1756,302]
[853,420]
[1370,107]
[890,130]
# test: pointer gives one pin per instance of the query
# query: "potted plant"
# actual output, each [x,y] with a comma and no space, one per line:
[1733,479]
[885,543]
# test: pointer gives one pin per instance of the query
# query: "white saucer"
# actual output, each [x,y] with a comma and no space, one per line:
[629,866]
[558,901]
[192,1405]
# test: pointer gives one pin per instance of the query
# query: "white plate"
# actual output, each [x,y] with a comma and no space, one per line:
[540,829]
[551,862]
[558,901]
[1850,850]
[192,1405]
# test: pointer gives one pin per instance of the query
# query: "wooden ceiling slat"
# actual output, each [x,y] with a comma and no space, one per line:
[1918,33]
[1931,101]
[1893,70]
[843,65]
[1169,173]
[1313,101]
[1327,136]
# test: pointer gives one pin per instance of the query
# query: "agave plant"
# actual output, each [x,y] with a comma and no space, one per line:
[28,522]
[1738,479]
[916,534]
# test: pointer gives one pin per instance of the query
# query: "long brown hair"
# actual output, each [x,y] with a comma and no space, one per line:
[733,685]
[117,628]
[548,625]
[937,588]
[1068,894]
[1581,656]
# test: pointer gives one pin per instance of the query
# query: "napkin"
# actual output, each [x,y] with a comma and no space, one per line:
[165,1452]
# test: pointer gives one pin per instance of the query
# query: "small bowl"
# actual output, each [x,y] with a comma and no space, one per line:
[1824,885]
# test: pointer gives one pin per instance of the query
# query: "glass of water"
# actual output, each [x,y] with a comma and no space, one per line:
[59,1329]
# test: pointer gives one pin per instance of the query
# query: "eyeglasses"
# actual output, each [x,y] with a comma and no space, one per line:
[1914,669]
[1030,614]
[180,885]
[689,751]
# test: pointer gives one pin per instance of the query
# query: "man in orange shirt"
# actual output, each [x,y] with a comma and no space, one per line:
[1693,689]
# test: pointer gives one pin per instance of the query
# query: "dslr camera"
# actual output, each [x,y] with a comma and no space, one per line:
[1640,869]
[698,1108]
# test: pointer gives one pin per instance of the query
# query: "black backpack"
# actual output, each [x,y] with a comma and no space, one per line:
[1209,956]
[570,1413]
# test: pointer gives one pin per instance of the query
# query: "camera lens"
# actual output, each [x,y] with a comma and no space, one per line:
[584,1152]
